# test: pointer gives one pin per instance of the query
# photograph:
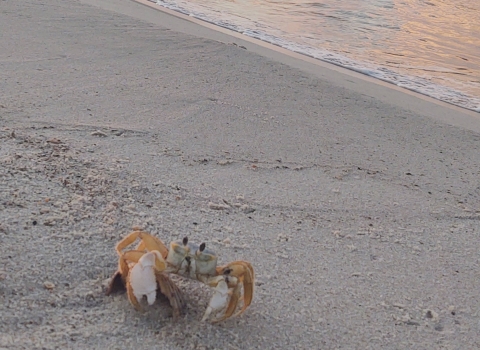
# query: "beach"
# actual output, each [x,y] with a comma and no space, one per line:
[357,203]
[425,47]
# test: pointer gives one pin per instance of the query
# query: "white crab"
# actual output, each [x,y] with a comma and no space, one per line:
[146,268]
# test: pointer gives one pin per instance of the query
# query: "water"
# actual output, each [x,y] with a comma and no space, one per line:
[431,47]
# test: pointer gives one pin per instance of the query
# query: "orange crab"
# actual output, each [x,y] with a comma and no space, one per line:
[146,268]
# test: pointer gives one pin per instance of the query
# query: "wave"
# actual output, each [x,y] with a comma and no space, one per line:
[412,83]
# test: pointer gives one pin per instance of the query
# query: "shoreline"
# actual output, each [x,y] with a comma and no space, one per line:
[344,77]
[359,214]
[273,46]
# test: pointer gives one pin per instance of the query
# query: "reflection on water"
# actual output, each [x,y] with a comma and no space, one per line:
[394,40]
[443,41]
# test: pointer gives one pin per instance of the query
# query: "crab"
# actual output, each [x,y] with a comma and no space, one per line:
[146,269]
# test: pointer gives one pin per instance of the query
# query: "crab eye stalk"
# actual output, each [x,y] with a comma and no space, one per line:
[202,247]
[185,241]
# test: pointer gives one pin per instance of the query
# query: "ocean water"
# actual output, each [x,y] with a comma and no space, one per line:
[428,46]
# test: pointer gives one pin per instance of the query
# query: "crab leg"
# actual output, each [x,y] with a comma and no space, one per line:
[172,292]
[148,242]
[119,279]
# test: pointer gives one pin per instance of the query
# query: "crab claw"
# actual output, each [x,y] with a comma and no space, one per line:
[239,273]
[219,299]
[142,278]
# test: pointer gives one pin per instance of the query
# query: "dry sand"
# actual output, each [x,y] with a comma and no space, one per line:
[358,205]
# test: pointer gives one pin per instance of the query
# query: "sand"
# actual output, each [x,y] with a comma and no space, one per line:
[357,203]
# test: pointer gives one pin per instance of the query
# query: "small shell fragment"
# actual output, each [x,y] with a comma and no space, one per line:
[48,285]
[98,133]
[215,206]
